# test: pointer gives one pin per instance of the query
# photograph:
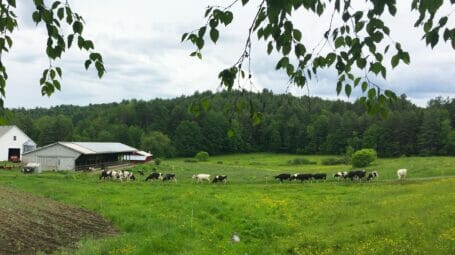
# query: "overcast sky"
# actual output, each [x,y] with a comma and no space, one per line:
[140,43]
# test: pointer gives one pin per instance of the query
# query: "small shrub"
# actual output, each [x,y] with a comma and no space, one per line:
[191,160]
[157,161]
[301,161]
[364,157]
[202,156]
[333,161]
[219,162]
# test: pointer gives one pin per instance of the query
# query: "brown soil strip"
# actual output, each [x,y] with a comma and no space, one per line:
[31,223]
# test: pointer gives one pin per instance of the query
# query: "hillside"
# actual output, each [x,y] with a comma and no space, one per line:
[185,125]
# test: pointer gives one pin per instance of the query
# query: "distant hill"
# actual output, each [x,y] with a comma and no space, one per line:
[185,125]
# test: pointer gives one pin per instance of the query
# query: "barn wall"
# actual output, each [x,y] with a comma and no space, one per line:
[7,141]
[55,157]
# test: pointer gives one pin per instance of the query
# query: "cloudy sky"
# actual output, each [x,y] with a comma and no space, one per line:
[140,43]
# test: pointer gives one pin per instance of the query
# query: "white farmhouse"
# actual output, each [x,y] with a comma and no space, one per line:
[13,143]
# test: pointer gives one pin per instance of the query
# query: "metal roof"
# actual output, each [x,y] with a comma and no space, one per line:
[5,129]
[88,148]
[98,147]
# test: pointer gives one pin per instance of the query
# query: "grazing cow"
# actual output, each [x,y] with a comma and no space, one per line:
[114,174]
[320,176]
[294,176]
[373,175]
[126,175]
[201,177]
[357,174]
[340,175]
[282,177]
[401,173]
[169,177]
[105,175]
[220,178]
[302,177]
[154,176]
[140,172]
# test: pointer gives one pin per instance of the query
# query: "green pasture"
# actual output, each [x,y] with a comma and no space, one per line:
[387,216]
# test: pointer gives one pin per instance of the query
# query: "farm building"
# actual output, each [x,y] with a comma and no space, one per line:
[13,143]
[78,155]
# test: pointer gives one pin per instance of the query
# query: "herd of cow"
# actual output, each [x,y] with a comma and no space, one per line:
[351,175]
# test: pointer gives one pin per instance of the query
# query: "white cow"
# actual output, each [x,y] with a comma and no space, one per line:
[401,173]
[201,177]
[125,175]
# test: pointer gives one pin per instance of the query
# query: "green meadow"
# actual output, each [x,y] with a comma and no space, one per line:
[386,216]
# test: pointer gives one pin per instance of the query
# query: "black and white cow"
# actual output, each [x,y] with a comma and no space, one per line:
[126,175]
[356,174]
[373,175]
[302,177]
[220,178]
[340,175]
[105,175]
[154,176]
[169,177]
[282,177]
[320,176]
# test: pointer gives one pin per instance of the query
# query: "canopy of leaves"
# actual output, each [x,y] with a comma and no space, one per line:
[57,17]
[356,43]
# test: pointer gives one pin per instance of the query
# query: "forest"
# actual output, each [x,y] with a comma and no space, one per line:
[241,121]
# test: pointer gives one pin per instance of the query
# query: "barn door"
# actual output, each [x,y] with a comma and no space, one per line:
[14,154]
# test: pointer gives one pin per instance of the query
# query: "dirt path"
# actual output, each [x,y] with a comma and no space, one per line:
[30,223]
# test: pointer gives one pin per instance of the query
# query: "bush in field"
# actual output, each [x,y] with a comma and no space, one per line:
[333,161]
[301,161]
[363,157]
[202,156]
[157,161]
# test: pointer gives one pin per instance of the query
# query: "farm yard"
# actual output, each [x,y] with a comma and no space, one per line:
[385,216]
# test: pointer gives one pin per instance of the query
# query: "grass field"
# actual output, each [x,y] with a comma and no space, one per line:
[387,216]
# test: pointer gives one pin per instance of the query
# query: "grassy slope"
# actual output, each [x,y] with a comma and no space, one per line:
[385,217]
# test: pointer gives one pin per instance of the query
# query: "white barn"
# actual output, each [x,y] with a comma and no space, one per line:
[78,155]
[13,143]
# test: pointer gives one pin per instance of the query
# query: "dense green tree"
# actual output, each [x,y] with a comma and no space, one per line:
[188,139]
[159,144]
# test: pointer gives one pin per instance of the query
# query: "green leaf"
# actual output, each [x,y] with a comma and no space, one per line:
[56,84]
[12,3]
[59,71]
[339,87]
[78,27]
[230,133]
[184,36]
[347,89]
[371,93]
[214,34]
[87,64]
[339,42]
[364,86]
[36,16]
[70,40]
[297,34]
[395,60]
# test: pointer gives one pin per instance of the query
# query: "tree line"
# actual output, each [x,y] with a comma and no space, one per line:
[240,121]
